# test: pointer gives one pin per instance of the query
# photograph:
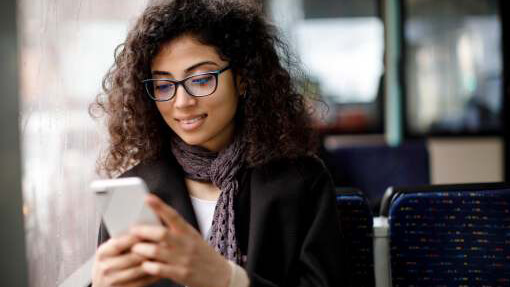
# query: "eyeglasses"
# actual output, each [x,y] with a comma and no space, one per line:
[200,85]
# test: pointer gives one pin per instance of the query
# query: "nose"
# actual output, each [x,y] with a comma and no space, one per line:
[183,99]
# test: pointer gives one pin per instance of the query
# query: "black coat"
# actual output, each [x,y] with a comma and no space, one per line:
[286,220]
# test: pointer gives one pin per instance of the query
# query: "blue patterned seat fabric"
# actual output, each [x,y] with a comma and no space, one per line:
[356,221]
[450,238]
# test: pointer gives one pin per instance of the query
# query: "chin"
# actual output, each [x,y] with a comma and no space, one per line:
[192,139]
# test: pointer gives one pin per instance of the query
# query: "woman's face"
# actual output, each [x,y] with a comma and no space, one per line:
[206,121]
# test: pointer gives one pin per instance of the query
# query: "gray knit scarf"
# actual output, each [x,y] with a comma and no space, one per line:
[221,169]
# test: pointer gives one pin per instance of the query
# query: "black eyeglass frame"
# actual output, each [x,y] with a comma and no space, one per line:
[216,73]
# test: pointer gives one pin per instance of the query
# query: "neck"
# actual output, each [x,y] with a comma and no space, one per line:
[202,190]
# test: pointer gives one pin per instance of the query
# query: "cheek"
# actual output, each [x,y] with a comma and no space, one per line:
[225,108]
[227,100]
[165,110]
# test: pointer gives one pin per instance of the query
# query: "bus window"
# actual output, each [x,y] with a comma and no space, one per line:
[453,67]
[65,49]
[341,47]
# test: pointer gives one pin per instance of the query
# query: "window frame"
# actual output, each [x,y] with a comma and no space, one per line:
[505,6]
[13,240]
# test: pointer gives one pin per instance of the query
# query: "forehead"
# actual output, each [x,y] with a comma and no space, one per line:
[182,52]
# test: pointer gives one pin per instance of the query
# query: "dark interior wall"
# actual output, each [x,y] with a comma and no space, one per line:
[12,242]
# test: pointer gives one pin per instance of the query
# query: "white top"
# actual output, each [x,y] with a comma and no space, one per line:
[204,210]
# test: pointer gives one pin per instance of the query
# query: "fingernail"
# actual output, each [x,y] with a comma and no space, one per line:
[149,199]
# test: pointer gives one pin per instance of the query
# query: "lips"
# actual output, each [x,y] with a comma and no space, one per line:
[191,119]
[191,122]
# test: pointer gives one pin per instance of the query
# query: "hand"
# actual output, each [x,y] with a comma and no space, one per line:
[115,266]
[178,252]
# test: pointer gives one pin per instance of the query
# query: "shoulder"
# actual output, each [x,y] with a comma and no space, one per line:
[163,163]
[156,172]
[299,177]
[305,168]
[146,167]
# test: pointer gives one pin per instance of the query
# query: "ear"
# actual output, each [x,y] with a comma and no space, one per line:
[240,84]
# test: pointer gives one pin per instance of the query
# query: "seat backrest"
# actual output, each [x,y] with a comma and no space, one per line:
[356,221]
[450,235]
[373,168]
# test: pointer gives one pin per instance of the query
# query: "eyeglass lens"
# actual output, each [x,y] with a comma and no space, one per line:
[198,86]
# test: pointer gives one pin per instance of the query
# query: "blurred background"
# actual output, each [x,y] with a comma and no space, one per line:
[65,49]
[415,91]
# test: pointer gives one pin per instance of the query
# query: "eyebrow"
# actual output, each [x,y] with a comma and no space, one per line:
[155,72]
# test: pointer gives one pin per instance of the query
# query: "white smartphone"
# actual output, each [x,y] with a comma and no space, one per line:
[124,204]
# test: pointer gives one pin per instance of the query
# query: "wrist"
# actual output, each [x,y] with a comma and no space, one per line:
[227,272]
[238,276]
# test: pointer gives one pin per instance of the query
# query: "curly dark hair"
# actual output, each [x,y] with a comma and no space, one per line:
[273,116]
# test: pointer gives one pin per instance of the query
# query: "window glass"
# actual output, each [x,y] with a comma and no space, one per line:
[453,66]
[66,48]
[341,47]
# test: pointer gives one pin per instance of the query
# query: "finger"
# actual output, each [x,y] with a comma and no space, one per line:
[126,275]
[142,282]
[179,274]
[154,234]
[110,265]
[152,251]
[115,246]
[169,215]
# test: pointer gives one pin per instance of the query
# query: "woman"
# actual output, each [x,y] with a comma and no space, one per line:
[199,106]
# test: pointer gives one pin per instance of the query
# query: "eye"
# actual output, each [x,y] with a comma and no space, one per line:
[202,80]
[162,88]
